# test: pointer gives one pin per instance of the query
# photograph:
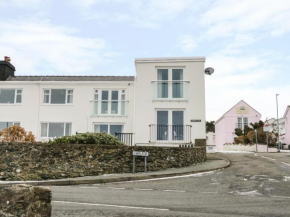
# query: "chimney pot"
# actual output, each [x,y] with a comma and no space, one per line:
[7,59]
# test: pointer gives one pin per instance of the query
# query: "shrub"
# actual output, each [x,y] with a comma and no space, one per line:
[238,132]
[16,134]
[88,138]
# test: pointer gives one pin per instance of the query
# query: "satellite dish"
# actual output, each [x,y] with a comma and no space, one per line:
[208,71]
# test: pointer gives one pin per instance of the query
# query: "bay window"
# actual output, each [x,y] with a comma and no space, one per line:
[109,102]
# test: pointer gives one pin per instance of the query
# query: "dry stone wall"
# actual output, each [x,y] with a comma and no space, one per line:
[44,161]
[25,201]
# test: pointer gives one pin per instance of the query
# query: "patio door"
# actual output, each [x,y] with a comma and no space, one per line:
[170,125]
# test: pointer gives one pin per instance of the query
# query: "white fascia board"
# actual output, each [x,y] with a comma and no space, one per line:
[170,59]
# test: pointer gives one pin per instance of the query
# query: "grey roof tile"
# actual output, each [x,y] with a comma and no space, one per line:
[71,78]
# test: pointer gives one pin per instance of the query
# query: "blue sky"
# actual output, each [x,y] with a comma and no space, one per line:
[247,42]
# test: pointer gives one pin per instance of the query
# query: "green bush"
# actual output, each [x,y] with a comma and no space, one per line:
[88,138]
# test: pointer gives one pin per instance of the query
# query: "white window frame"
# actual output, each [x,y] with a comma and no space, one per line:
[47,130]
[170,82]
[121,92]
[109,126]
[15,95]
[49,96]
[242,122]
[13,122]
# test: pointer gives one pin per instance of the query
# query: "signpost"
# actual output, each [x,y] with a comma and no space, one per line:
[266,129]
[140,154]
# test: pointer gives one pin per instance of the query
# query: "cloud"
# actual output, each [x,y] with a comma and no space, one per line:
[38,47]
[228,17]
[21,3]
[187,43]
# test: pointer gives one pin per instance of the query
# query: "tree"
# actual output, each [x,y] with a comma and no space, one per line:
[210,126]
[16,134]
[238,132]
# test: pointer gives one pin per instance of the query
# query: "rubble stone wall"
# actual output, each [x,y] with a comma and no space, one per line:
[25,201]
[44,161]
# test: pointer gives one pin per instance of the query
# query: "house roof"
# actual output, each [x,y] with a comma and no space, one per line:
[71,78]
[287,109]
[232,108]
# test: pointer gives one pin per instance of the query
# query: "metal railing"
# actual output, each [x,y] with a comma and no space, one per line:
[170,133]
[126,138]
[170,90]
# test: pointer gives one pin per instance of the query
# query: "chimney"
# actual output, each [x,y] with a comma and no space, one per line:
[6,69]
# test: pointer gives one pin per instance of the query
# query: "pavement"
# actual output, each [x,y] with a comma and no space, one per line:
[213,163]
[256,184]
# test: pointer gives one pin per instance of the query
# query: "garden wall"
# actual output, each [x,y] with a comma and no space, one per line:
[25,201]
[55,161]
[250,148]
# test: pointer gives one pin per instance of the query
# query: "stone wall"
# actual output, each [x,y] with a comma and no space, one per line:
[25,201]
[43,161]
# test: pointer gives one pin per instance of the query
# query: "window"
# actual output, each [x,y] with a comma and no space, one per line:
[4,125]
[110,102]
[170,83]
[242,122]
[55,129]
[57,96]
[108,128]
[10,96]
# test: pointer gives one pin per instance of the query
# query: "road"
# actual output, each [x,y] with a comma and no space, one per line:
[254,185]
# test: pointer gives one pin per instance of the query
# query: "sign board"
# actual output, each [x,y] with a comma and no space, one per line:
[195,120]
[140,153]
[266,126]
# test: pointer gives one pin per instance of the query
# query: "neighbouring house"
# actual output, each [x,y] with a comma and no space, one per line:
[210,141]
[286,118]
[238,116]
[274,127]
[164,104]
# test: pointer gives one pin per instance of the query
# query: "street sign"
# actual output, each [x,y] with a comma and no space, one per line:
[195,120]
[140,153]
[266,126]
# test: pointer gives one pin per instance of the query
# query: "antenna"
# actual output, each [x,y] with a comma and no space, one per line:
[209,71]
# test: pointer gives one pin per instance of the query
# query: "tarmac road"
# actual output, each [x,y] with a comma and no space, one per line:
[254,185]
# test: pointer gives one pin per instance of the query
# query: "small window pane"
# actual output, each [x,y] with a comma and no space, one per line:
[123,108]
[123,96]
[70,91]
[105,107]
[69,98]
[177,74]
[7,95]
[56,129]
[114,95]
[19,91]
[58,96]
[67,129]
[101,128]
[116,129]
[43,129]
[46,99]
[3,125]
[96,96]
[114,108]
[16,123]
[162,74]
[96,108]
[46,91]
[105,95]
[18,98]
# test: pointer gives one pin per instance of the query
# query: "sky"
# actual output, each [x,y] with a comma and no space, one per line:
[247,42]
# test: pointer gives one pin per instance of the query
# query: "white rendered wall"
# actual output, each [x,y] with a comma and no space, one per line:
[146,106]
[31,112]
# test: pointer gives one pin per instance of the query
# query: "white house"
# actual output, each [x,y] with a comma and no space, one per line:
[163,105]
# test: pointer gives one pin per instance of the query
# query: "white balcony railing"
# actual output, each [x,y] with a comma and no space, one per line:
[170,90]
[109,107]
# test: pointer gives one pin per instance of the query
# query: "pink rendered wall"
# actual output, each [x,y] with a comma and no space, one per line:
[287,128]
[226,127]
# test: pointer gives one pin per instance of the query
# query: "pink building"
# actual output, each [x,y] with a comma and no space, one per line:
[237,117]
[286,117]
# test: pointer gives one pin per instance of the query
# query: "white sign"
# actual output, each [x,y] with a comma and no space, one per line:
[266,126]
[140,153]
